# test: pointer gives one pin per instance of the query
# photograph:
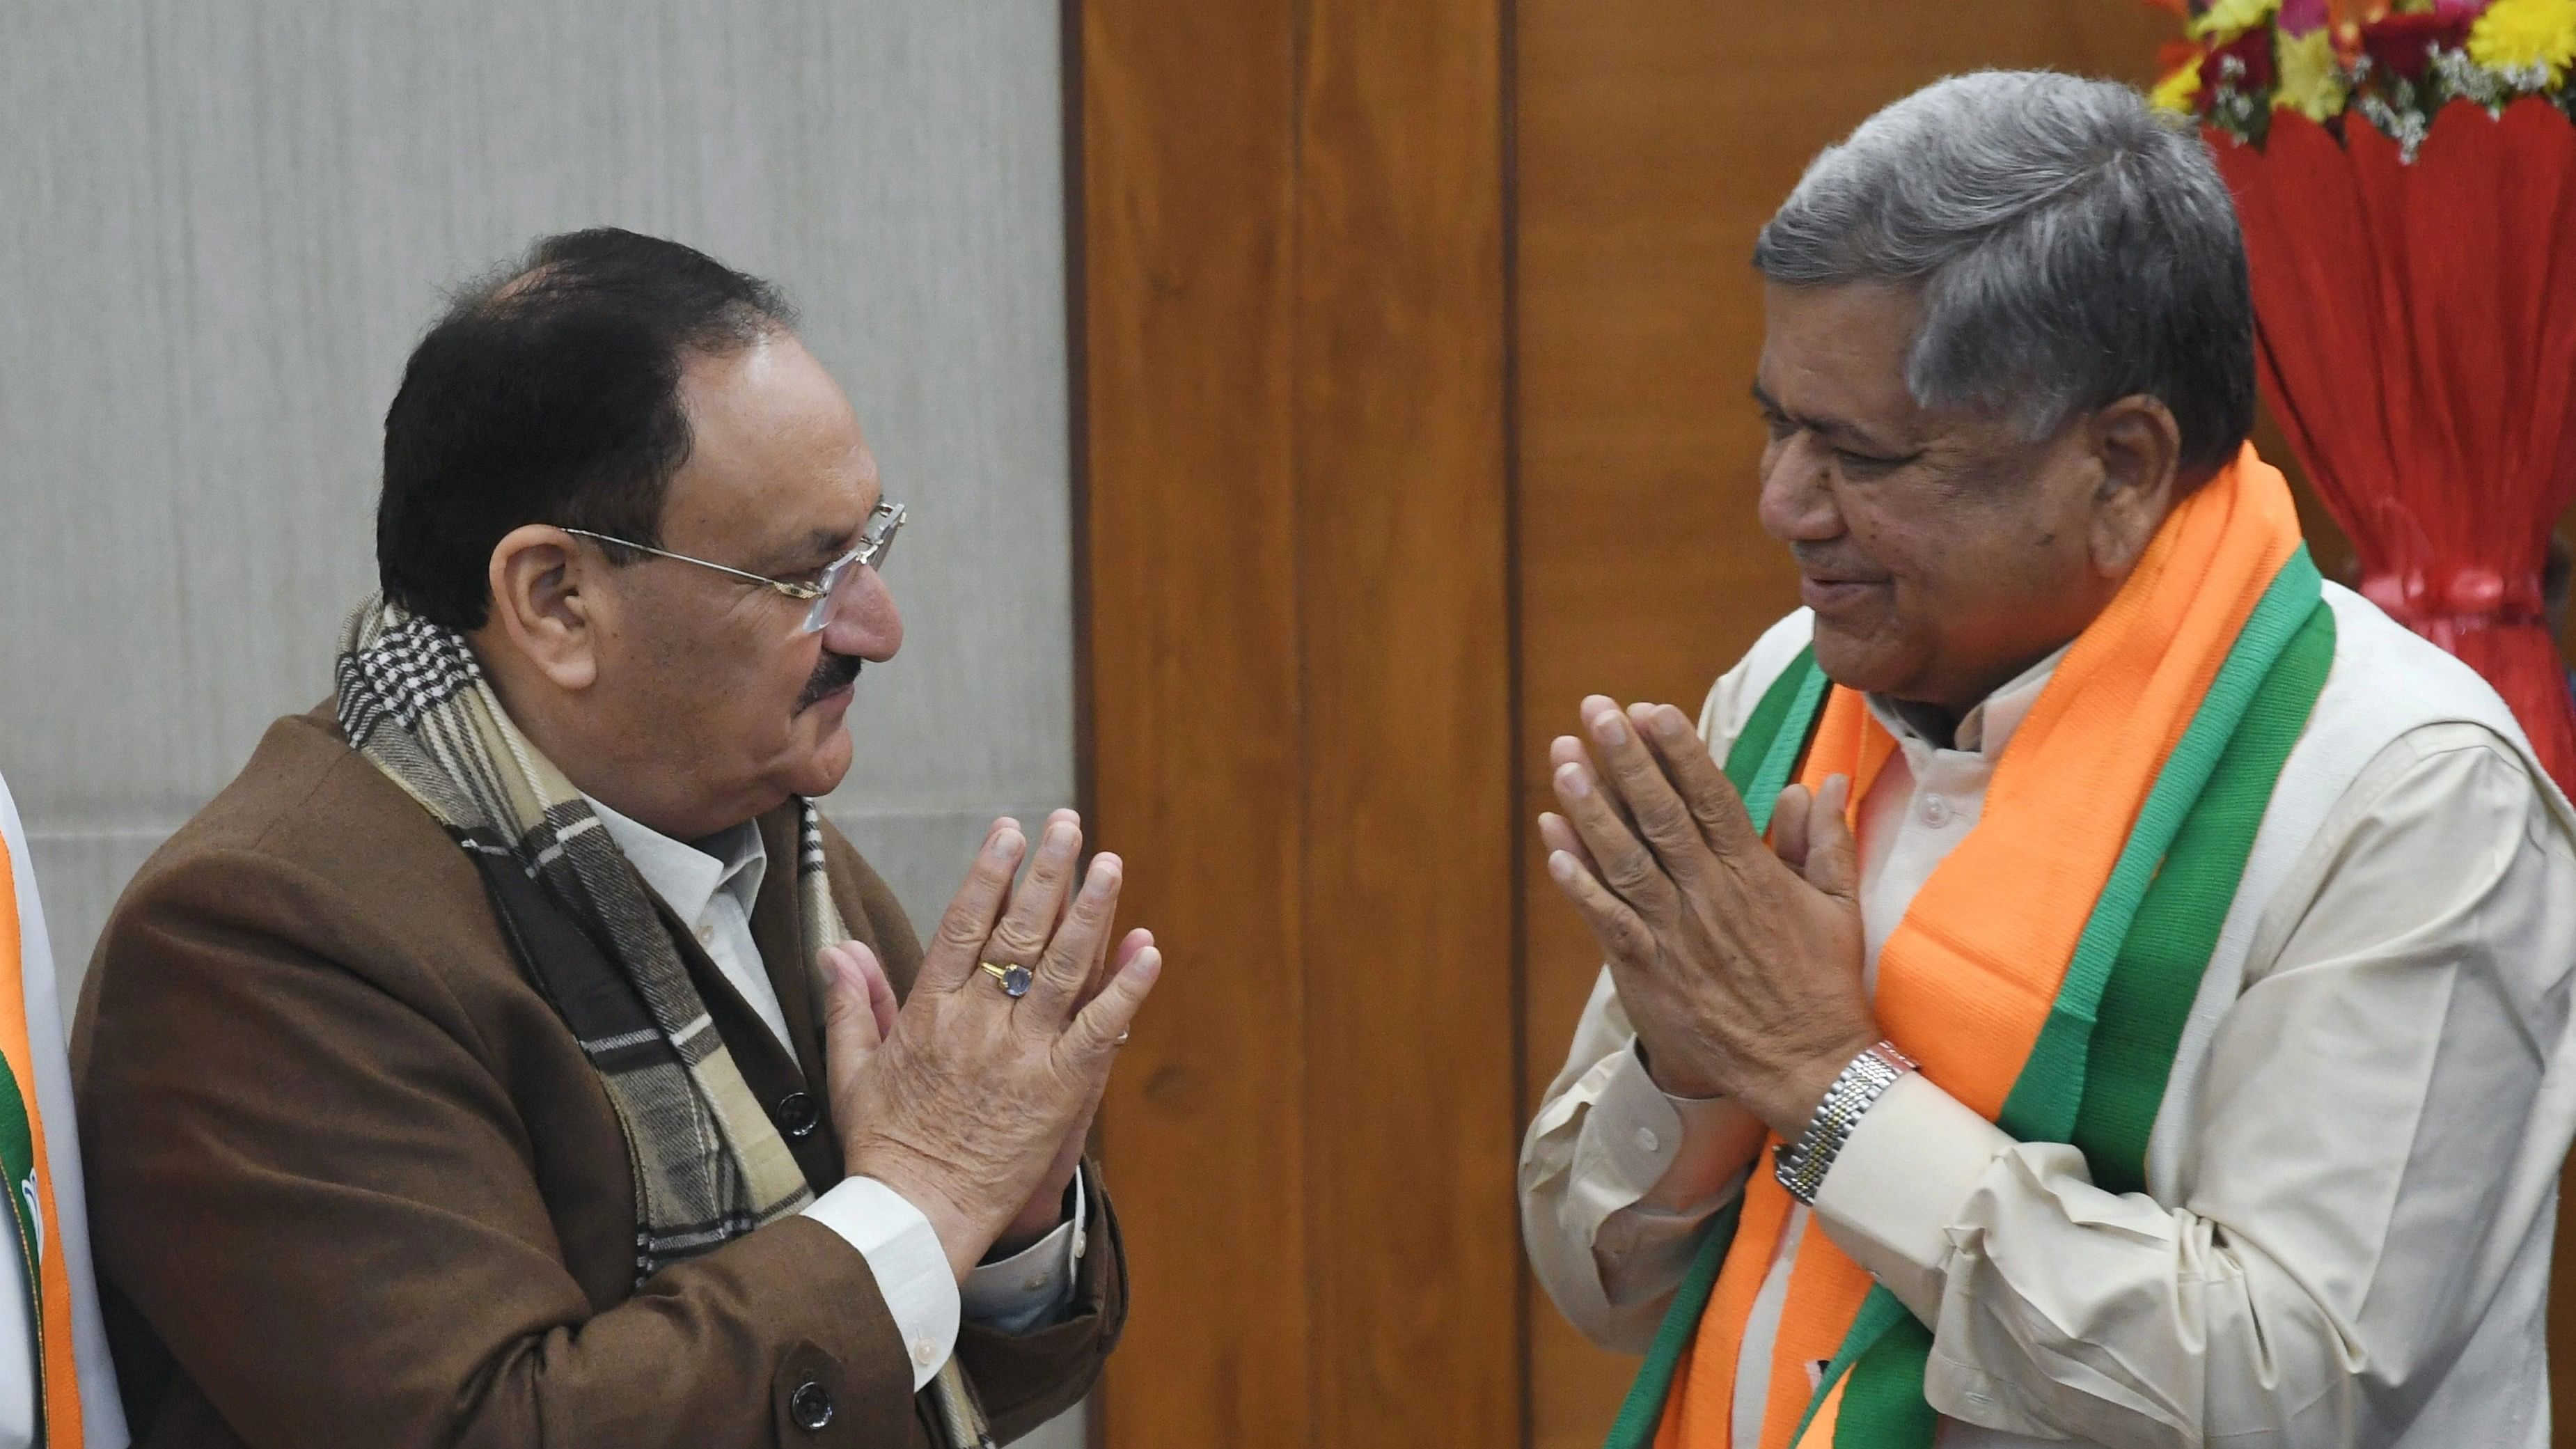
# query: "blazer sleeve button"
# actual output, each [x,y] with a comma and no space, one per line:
[810,1406]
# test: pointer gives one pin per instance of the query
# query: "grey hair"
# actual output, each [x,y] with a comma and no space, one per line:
[2071,249]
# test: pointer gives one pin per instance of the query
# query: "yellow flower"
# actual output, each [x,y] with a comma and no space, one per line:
[2310,82]
[2230,18]
[2513,34]
[2180,91]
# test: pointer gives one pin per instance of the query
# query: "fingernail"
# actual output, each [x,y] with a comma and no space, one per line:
[1561,865]
[1006,844]
[1059,838]
[1149,961]
[1606,727]
[1102,878]
[1675,724]
[1569,778]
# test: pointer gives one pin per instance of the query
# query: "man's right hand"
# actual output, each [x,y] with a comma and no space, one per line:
[964,1106]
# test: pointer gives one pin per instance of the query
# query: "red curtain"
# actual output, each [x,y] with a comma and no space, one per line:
[2417,338]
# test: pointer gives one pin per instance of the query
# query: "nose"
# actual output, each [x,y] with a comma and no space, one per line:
[864,620]
[1797,505]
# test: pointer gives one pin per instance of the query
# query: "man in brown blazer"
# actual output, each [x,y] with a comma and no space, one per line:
[510,1056]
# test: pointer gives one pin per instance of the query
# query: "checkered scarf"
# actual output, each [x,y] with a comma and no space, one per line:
[709,1166]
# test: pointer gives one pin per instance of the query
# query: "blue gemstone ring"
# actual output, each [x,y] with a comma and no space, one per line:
[1015,979]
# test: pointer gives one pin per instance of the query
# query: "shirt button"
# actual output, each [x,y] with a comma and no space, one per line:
[924,1352]
[1936,811]
[1647,1139]
[706,935]
[796,1115]
[810,1406]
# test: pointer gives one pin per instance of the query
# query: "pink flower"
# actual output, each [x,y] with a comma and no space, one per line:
[2298,17]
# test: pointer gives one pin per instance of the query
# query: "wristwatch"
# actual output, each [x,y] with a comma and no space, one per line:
[1801,1165]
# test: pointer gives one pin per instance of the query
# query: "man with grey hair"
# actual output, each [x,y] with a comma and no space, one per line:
[2148,964]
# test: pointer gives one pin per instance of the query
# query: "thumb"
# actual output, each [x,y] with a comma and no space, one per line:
[1833,857]
[851,1034]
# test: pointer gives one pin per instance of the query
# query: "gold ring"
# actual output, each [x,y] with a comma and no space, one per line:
[1015,979]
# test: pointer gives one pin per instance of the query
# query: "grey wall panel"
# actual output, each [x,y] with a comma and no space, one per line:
[224,222]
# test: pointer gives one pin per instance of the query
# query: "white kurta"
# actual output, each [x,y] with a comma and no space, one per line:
[102,1415]
[2351,1181]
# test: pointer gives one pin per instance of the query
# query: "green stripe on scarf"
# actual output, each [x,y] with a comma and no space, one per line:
[18,1162]
[2152,989]
[2179,872]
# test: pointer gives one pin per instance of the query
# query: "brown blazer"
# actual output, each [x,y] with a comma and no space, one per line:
[352,1182]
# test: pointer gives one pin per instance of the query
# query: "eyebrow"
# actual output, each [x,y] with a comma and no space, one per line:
[1825,425]
[819,547]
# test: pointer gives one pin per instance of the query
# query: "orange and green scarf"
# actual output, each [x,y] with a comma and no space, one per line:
[2121,812]
[32,1212]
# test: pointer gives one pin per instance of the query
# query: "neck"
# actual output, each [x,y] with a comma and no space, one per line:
[1936,723]
[1935,714]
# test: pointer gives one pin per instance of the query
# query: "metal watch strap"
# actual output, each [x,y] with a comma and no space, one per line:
[1801,1165]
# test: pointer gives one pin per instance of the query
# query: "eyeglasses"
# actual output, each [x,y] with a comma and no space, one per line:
[876,540]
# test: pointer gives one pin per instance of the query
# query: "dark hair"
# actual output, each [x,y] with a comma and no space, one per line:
[550,393]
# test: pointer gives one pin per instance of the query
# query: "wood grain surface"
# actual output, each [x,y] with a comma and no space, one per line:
[1189,332]
[1298,632]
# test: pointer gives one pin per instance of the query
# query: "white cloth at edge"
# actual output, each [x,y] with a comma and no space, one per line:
[102,1412]
[712,885]
[2352,1176]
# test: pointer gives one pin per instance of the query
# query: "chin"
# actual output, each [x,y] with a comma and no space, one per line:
[823,766]
[1858,662]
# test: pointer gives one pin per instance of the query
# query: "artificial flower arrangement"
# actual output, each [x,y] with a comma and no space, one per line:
[2395,62]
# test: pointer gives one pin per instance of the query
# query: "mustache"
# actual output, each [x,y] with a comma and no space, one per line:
[1827,562]
[830,677]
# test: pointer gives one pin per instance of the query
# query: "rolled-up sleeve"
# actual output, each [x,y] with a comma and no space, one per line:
[1616,1178]
[2368,1166]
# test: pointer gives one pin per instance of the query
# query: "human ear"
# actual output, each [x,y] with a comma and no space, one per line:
[539,606]
[2138,447]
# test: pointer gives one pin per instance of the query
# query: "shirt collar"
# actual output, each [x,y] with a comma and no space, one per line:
[688,875]
[1988,726]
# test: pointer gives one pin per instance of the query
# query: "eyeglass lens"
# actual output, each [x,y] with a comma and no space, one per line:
[842,580]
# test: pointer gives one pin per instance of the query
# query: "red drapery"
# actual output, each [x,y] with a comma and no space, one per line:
[2417,339]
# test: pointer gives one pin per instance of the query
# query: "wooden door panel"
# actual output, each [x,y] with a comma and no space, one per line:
[1300,655]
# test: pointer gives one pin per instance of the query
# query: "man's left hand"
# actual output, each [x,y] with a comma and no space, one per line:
[1045,1209]
[1740,967]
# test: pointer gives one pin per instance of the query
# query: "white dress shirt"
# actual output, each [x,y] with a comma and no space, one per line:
[2351,1182]
[711,885]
